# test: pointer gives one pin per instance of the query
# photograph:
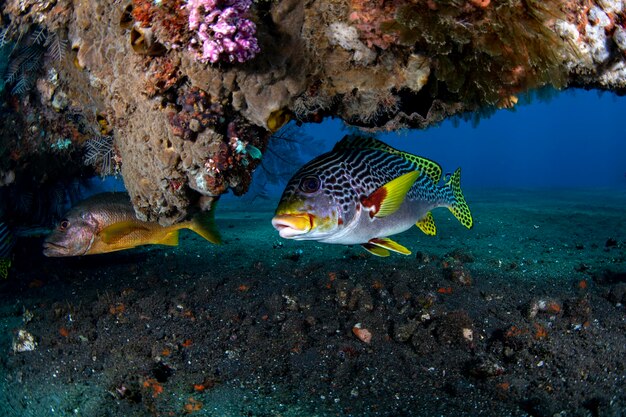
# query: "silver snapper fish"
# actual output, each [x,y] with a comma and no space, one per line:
[364,191]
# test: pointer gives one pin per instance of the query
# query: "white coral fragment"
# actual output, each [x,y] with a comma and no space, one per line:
[612,6]
[615,75]
[347,37]
[596,35]
[24,342]
[619,37]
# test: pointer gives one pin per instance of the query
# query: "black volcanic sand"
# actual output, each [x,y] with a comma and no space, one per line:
[522,315]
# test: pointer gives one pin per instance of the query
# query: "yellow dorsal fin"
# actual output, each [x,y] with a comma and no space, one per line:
[117,231]
[388,198]
[430,168]
[386,243]
[375,250]
[427,224]
[204,225]
[170,239]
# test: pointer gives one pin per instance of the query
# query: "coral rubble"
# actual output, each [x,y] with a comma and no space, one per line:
[189,92]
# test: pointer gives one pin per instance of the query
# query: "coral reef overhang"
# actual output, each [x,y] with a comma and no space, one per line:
[137,92]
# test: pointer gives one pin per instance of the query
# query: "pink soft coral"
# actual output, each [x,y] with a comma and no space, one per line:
[223,33]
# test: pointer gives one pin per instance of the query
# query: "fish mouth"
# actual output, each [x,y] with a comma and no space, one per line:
[292,225]
[52,249]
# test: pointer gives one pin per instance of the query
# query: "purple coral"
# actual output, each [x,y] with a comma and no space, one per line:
[223,33]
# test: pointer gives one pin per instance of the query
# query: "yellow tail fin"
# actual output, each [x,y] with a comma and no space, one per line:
[204,225]
[459,207]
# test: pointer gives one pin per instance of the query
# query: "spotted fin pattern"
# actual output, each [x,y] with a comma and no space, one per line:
[459,207]
[427,224]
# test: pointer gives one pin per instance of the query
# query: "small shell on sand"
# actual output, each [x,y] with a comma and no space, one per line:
[362,333]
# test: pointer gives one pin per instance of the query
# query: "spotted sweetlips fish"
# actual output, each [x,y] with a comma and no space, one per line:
[363,191]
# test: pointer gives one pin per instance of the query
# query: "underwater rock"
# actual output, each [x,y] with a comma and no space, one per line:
[485,368]
[355,59]
[455,329]
[617,294]
[362,333]
[23,342]
[7,178]
[404,331]
[546,306]
[578,311]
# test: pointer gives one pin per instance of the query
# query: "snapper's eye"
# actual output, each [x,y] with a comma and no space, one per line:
[64,224]
[310,184]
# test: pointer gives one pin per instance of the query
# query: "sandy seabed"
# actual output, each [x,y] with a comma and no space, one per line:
[521,316]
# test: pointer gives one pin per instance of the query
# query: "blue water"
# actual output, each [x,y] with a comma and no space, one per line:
[575,139]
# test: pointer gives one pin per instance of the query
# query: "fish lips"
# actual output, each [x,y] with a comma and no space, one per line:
[291,226]
[53,250]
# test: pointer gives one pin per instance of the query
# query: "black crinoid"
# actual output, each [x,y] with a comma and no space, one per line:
[26,56]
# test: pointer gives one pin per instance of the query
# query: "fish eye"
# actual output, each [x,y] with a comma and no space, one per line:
[310,184]
[64,224]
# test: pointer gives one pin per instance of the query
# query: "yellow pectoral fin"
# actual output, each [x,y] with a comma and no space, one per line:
[388,198]
[386,243]
[375,250]
[427,224]
[115,232]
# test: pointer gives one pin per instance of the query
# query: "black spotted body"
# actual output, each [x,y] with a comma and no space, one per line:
[338,189]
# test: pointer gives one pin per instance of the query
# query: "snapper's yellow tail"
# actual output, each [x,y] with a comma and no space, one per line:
[204,225]
[458,206]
